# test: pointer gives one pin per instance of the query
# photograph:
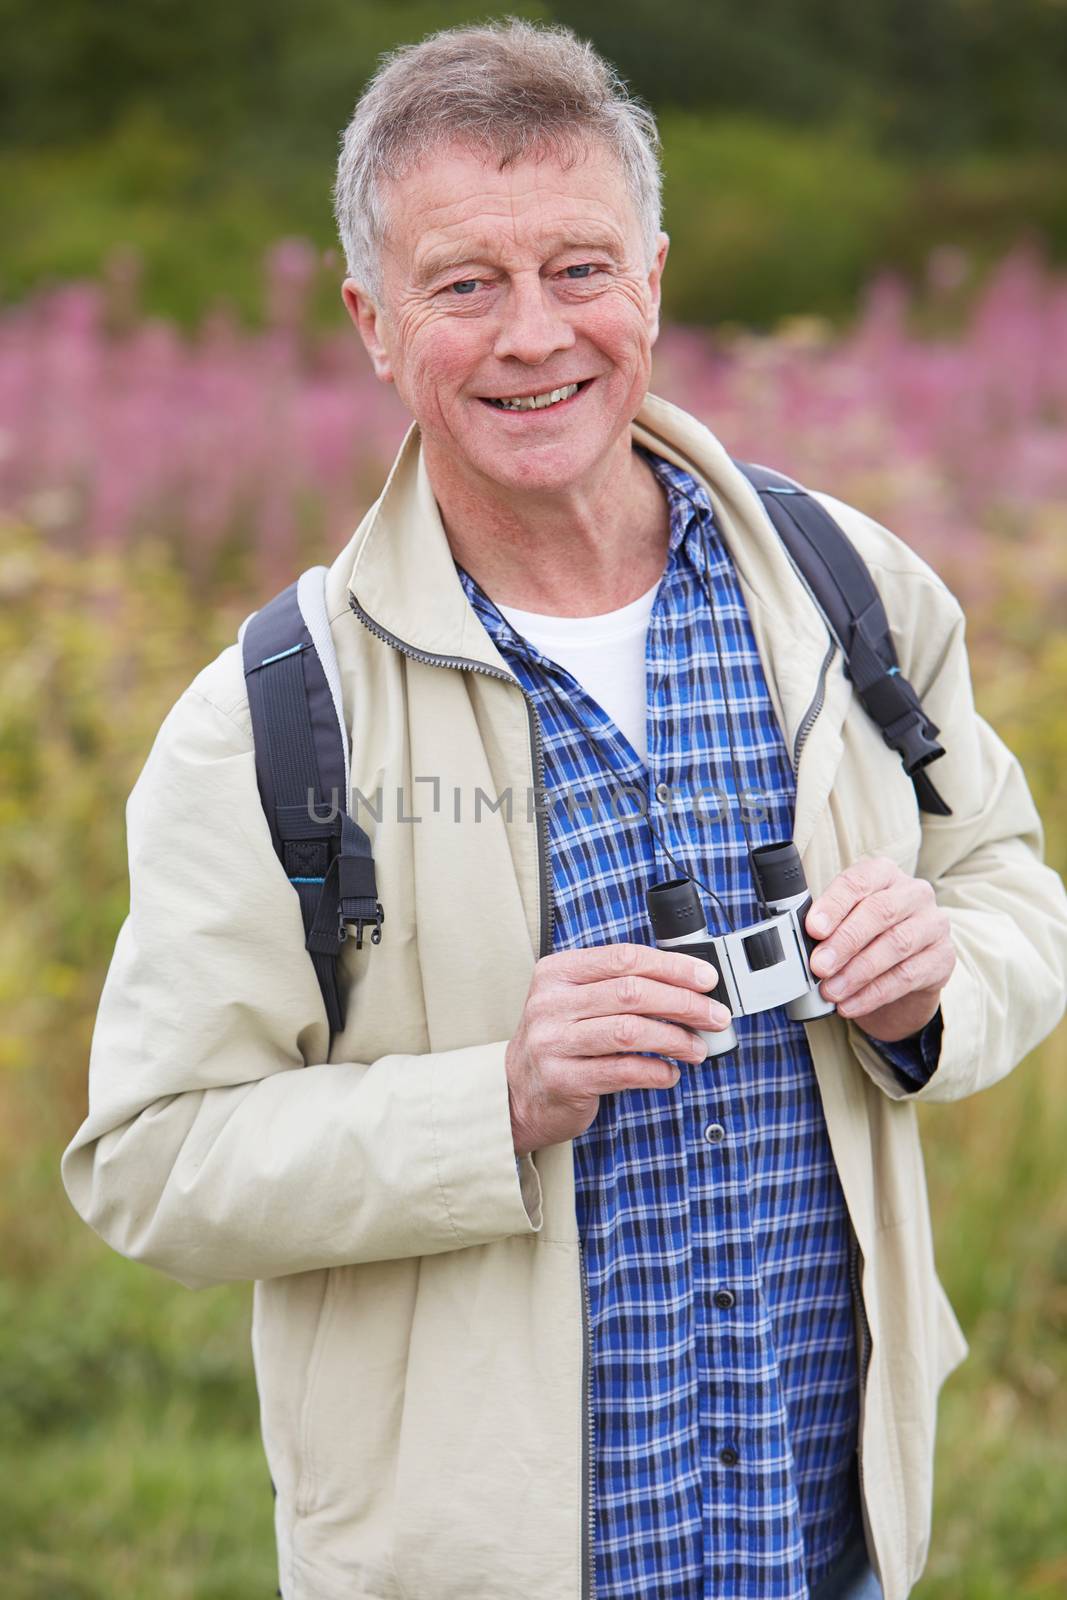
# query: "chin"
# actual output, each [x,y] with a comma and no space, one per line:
[542,468]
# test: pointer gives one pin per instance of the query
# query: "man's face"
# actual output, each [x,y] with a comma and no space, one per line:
[506,285]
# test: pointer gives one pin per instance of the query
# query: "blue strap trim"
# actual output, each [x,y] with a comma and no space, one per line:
[307,880]
[293,648]
[894,672]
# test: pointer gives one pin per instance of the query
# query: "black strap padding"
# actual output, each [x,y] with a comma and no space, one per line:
[842,587]
[300,771]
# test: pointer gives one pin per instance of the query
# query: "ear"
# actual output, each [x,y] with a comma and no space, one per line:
[369,322]
[655,277]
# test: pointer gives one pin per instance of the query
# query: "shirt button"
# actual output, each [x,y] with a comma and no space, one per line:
[715,1133]
[663,793]
[729,1457]
[723,1299]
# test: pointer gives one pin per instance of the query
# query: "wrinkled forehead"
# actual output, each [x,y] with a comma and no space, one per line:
[464,202]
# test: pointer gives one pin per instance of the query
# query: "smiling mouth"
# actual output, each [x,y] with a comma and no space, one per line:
[537,402]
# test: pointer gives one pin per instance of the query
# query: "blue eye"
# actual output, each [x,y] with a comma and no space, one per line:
[583,270]
[465,286]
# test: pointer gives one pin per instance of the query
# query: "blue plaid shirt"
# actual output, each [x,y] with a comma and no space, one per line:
[714,1229]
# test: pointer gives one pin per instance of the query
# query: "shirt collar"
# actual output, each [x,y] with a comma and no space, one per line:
[690,510]
[493,621]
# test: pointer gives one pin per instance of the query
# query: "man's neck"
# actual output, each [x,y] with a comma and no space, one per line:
[587,551]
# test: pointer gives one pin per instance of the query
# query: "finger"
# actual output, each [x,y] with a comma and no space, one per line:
[647,997]
[929,970]
[872,917]
[602,961]
[865,876]
[602,1036]
[899,942]
[610,1074]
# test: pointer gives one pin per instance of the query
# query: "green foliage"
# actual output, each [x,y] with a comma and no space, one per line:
[96,646]
[216,71]
[197,227]
[130,1462]
[806,147]
[763,223]
[760,220]
[939,78]
[934,78]
[995,1169]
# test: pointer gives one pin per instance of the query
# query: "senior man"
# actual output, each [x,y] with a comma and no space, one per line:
[546,1304]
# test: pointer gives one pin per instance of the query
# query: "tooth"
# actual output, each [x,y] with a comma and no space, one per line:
[531,402]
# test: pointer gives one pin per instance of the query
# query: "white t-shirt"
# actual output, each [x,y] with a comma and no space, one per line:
[606,654]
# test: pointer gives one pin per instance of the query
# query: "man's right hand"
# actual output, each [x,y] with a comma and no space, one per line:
[586,1012]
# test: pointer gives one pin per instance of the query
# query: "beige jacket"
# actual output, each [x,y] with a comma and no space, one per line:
[420,1330]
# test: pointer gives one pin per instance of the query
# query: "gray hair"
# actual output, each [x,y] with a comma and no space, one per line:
[509,88]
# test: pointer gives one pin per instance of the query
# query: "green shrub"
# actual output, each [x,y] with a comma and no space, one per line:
[765,223]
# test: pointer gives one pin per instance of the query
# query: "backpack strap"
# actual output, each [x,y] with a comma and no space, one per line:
[302,769]
[839,582]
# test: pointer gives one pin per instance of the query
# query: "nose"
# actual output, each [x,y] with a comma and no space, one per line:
[532,326]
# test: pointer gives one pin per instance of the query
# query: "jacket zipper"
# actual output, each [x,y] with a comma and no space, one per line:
[807,722]
[866,1344]
[547,925]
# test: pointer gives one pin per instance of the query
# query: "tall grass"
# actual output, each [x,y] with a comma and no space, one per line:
[152,490]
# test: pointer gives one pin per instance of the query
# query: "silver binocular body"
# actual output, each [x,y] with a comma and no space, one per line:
[760,966]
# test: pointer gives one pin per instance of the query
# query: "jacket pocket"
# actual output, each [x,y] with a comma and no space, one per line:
[345,1521]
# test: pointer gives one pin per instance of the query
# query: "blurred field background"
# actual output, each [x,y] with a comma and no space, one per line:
[866,288]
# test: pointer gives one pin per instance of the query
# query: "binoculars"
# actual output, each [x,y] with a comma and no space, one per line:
[761,966]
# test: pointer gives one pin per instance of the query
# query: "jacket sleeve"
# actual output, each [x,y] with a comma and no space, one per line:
[1007,908]
[214,1149]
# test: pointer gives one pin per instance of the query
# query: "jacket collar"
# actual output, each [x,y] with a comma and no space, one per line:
[403,577]
[404,581]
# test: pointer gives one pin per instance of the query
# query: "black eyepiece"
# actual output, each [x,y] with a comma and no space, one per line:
[674,909]
[778,871]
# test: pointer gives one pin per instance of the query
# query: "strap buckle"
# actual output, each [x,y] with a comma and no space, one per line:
[359,922]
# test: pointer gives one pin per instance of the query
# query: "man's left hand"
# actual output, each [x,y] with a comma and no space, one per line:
[885,948]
